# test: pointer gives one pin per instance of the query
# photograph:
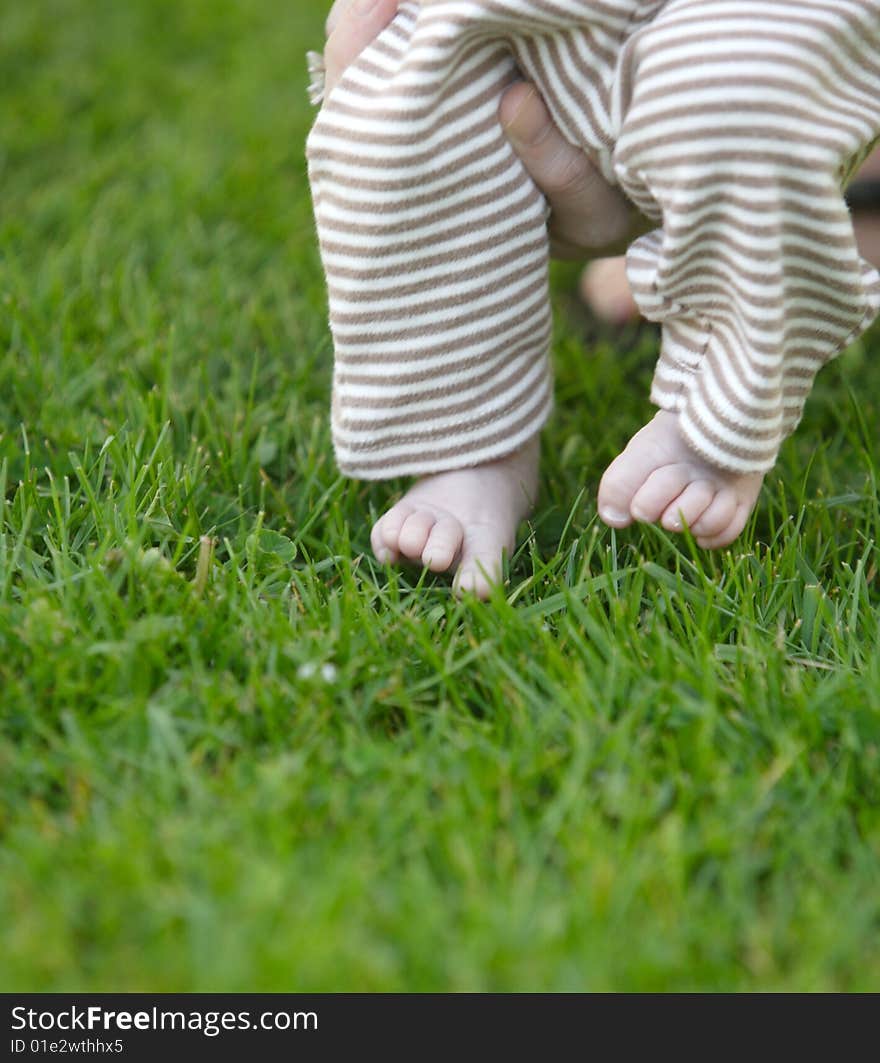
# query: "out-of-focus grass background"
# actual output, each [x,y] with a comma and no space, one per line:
[639,767]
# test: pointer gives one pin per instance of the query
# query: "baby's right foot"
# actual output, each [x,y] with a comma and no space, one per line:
[463,520]
[659,479]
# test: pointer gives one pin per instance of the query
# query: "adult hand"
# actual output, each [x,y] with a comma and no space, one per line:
[588,217]
[351,26]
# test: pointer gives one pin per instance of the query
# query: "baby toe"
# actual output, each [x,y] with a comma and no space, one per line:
[716,517]
[731,531]
[443,545]
[475,578]
[386,533]
[414,533]
[690,505]
[480,567]
[623,477]
[384,554]
[659,491]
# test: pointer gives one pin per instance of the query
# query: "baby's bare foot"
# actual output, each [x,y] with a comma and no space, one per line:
[658,478]
[463,520]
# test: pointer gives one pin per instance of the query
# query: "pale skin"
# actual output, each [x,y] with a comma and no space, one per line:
[466,520]
[605,288]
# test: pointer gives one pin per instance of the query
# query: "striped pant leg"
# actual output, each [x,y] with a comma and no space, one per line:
[738,122]
[432,234]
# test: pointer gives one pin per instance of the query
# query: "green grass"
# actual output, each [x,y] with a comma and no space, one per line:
[640,767]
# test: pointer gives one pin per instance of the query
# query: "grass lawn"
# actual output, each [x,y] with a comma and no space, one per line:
[286,768]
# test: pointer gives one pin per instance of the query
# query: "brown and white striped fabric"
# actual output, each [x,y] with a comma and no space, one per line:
[731,123]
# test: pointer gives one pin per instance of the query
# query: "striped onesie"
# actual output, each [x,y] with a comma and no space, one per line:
[732,124]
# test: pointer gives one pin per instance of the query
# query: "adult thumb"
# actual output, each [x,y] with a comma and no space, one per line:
[586,212]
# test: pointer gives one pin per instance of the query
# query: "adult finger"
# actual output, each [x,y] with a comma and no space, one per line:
[335,14]
[586,212]
[605,289]
[353,24]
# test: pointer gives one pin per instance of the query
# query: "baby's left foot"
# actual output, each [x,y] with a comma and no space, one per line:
[658,478]
[462,521]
